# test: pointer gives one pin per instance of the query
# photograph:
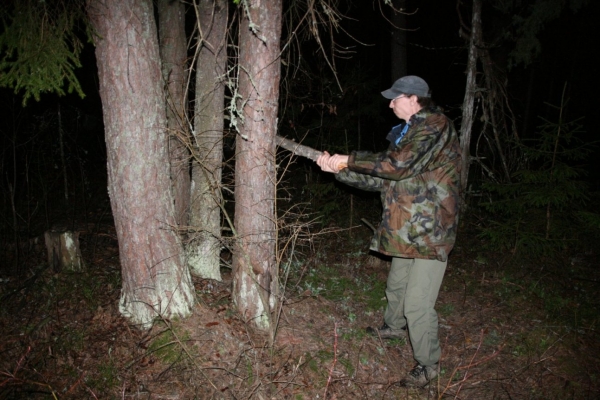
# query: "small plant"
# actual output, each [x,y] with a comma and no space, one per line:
[397,342]
[347,365]
[531,344]
[446,309]
[249,371]
[533,214]
[167,345]
[374,290]
[108,374]
[492,339]
[327,282]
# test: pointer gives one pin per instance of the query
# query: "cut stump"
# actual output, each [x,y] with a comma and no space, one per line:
[63,250]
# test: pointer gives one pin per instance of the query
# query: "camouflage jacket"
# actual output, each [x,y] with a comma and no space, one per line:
[419,181]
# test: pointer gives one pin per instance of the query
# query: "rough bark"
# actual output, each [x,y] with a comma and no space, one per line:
[466,125]
[173,51]
[155,280]
[255,270]
[204,245]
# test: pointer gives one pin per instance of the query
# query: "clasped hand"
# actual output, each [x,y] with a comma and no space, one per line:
[332,163]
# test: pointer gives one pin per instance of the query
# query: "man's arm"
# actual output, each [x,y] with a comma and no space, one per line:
[421,150]
[329,163]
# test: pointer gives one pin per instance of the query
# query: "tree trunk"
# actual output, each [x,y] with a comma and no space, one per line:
[155,280]
[173,51]
[398,42]
[255,279]
[204,246]
[466,125]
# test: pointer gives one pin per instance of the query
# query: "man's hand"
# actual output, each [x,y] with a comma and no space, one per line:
[335,163]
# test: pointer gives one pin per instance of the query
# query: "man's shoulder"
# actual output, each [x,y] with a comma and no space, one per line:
[432,112]
[433,119]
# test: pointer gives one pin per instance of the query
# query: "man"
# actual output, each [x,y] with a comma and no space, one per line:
[418,177]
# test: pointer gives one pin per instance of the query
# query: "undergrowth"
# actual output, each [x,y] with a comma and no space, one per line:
[505,325]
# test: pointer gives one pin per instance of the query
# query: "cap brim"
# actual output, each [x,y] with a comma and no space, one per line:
[389,94]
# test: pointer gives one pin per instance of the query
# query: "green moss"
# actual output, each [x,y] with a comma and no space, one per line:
[168,347]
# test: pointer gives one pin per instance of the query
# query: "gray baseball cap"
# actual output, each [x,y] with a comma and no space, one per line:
[409,84]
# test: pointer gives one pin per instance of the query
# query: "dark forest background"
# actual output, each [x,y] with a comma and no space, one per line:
[539,62]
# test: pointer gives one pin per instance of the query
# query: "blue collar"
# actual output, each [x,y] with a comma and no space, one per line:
[398,132]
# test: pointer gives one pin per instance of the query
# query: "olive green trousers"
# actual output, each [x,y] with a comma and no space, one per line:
[412,288]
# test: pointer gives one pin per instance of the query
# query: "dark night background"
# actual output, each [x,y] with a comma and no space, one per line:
[435,52]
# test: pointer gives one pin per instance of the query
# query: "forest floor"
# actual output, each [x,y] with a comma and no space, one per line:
[507,333]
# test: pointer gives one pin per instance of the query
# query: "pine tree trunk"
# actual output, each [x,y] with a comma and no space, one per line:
[204,244]
[466,125]
[399,40]
[173,51]
[155,280]
[255,279]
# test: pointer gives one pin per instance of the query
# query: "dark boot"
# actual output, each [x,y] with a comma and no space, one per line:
[385,332]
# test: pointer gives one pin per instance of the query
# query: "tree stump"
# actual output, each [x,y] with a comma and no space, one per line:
[63,250]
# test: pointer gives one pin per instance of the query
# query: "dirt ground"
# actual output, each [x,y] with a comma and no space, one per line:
[61,335]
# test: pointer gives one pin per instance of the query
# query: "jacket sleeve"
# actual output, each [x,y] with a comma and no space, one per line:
[360,181]
[418,152]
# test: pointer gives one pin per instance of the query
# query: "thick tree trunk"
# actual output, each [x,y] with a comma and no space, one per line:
[155,281]
[173,51]
[204,245]
[255,279]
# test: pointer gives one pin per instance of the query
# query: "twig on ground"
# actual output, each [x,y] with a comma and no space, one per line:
[467,367]
[12,376]
[335,342]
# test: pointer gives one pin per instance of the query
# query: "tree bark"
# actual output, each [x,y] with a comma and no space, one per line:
[63,250]
[466,125]
[298,149]
[173,51]
[204,246]
[399,41]
[155,280]
[255,280]
[301,150]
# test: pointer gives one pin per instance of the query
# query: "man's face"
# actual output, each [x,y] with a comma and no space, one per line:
[404,106]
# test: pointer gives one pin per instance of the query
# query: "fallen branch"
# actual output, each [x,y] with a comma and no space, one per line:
[301,150]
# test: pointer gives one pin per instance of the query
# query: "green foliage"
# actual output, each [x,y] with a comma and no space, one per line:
[397,342]
[445,310]
[333,285]
[40,48]
[108,375]
[374,290]
[327,282]
[327,195]
[528,21]
[167,346]
[541,210]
